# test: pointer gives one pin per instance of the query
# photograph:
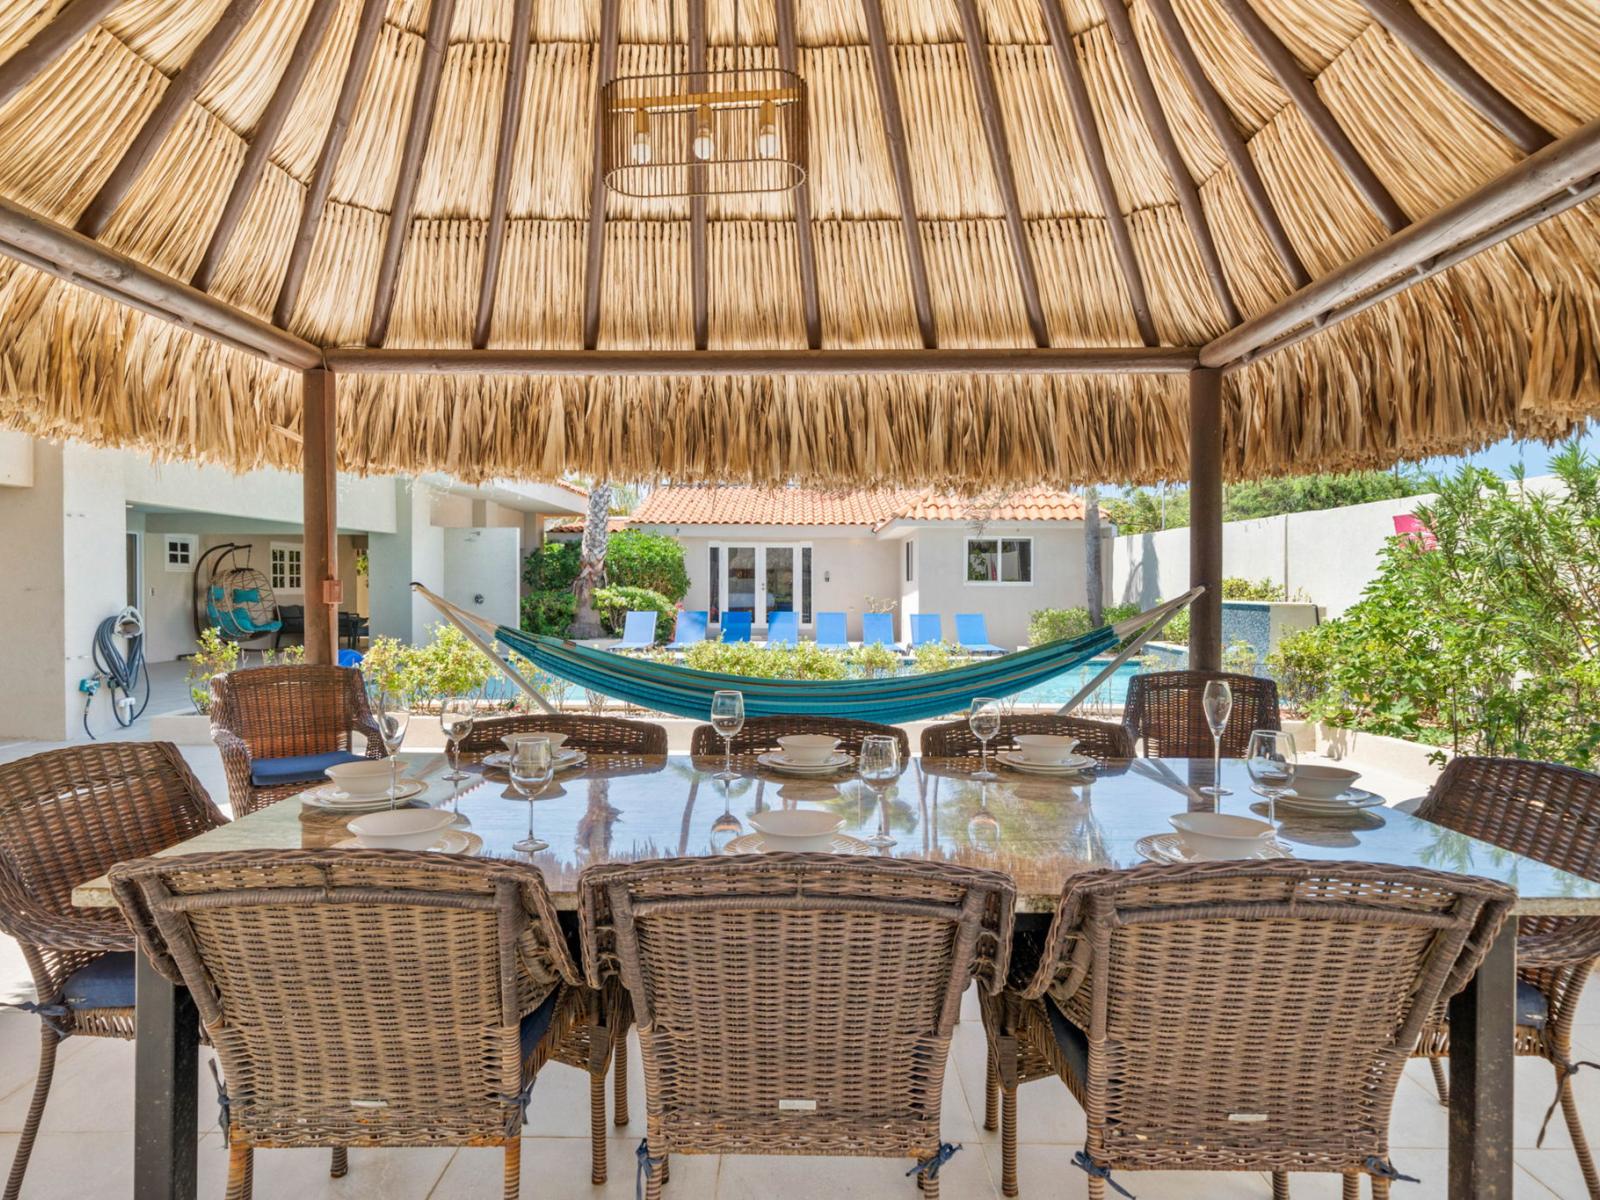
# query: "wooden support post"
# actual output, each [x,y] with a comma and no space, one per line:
[319,427]
[1205,519]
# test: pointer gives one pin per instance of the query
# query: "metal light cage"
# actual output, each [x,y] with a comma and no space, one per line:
[755,119]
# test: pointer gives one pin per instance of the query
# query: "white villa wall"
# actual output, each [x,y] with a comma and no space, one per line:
[366,505]
[415,551]
[481,572]
[1326,556]
[16,459]
[941,585]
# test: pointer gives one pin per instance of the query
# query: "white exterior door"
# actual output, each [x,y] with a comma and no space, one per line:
[764,578]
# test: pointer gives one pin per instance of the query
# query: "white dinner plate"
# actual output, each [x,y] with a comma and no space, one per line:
[501,759]
[777,762]
[331,798]
[451,841]
[1169,848]
[752,843]
[1352,800]
[1075,765]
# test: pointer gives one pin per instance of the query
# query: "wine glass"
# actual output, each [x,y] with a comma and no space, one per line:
[1217,703]
[878,766]
[532,765]
[727,718]
[1271,761]
[983,718]
[455,722]
[393,718]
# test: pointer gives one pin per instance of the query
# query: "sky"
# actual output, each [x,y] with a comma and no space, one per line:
[1503,456]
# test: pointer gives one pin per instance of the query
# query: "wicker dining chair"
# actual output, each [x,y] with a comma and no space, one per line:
[359,997]
[280,728]
[594,735]
[1150,1002]
[1550,813]
[1099,739]
[760,734]
[795,1003]
[65,817]
[1164,709]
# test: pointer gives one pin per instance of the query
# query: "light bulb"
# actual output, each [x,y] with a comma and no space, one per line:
[704,144]
[641,151]
[767,135]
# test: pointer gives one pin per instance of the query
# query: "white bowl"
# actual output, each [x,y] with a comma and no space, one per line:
[555,739]
[1045,749]
[369,777]
[1220,836]
[797,828]
[808,749]
[401,828]
[1317,782]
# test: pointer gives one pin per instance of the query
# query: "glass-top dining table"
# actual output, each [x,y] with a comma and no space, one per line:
[1040,830]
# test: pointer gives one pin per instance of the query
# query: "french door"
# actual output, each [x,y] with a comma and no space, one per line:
[761,579]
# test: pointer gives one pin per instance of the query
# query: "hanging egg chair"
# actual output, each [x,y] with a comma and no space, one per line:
[237,600]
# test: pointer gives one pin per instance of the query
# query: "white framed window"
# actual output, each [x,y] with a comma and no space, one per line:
[178,551]
[285,560]
[993,560]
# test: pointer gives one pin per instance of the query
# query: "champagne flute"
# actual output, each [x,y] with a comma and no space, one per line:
[1217,703]
[1271,761]
[532,765]
[983,718]
[727,718]
[393,718]
[456,719]
[878,767]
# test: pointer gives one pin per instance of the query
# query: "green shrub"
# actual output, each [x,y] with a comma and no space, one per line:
[874,659]
[614,603]
[1052,624]
[387,665]
[1240,657]
[1177,629]
[805,661]
[1234,588]
[635,559]
[548,612]
[449,665]
[938,656]
[215,656]
[552,567]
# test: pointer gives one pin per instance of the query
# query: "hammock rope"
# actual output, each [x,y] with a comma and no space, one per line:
[686,692]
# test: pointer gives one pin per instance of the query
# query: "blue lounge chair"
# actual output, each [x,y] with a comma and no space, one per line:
[736,627]
[972,634]
[926,627]
[878,629]
[831,633]
[783,629]
[691,629]
[638,631]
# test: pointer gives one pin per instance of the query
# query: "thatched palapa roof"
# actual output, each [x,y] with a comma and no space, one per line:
[987,175]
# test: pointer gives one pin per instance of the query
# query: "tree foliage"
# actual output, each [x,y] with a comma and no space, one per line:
[616,602]
[1489,641]
[1140,510]
[637,559]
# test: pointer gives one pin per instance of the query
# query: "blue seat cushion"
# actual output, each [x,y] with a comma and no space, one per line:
[107,982]
[1533,1009]
[537,1023]
[1070,1040]
[297,768]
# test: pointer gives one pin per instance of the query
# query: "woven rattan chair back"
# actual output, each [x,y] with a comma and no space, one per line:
[355,997]
[760,734]
[594,735]
[1100,739]
[279,712]
[795,1003]
[1200,1057]
[1164,709]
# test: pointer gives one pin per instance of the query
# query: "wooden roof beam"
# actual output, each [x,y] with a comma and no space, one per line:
[1233,145]
[1542,185]
[505,154]
[1094,149]
[697,175]
[368,27]
[1021,361]
[1303,93]
[75,19]
[894,134]
[261,141]
[67,254]
[1155,119]
[418,129]
[595,252]
[805,247]
[994,132]
[1408,27]
[181,89]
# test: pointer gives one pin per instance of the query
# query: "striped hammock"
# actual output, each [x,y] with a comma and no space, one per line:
[685,692]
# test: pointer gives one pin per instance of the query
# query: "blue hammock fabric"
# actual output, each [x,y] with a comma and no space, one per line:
[684,692]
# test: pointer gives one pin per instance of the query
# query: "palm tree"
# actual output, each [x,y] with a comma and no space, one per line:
[1092,579]
[591,564]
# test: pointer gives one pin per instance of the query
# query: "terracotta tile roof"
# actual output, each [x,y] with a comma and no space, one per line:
[575,525]
[802,506]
